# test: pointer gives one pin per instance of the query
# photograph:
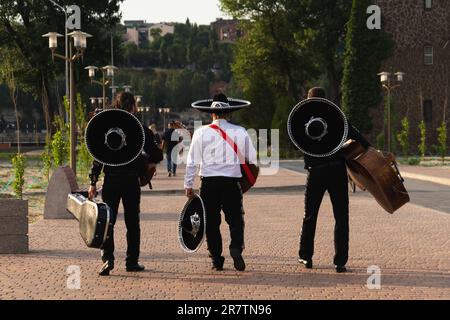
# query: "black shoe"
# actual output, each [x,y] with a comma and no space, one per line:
[217,264]
[306,263]
[340,269]
[239,263]
[106,268]
[135,268]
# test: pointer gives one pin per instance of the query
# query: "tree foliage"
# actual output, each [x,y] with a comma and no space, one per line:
[22,24]
[289,46]
[190,45]
[19,163]
[403,136]
[364,51]
[423,139]
[442,141]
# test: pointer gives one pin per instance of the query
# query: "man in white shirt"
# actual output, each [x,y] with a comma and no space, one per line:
[220,172]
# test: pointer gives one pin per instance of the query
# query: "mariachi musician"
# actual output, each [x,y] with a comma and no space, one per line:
[327,174]
[122,183]
[220,172]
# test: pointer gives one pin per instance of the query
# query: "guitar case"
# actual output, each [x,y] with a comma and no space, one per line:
[94,219]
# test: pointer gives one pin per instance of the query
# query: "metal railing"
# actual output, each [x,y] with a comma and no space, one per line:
[10,138]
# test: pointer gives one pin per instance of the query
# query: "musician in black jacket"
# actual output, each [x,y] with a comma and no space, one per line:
[327,174]
[122,183]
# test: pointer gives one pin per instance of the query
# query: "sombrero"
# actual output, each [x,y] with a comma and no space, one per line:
[114,137]
[317,127]
[220,104]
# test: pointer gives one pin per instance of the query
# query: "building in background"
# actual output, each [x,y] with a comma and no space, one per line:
[163,28]
[139,31]
[421,32]
[227,30]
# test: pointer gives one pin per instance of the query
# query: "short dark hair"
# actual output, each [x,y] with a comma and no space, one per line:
[220,98]
[317,92]
[125,101]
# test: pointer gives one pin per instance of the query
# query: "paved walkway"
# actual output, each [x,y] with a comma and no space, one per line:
[411,248]
[281,180]
[439,175]
[427,187]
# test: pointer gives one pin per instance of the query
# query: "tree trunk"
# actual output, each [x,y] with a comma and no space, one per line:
[45,109]
[17,123]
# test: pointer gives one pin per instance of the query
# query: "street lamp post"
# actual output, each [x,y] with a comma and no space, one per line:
[164,111]
[141,110]
[107,74]
[385,78]
[66,48]
[80,44]
[113,91]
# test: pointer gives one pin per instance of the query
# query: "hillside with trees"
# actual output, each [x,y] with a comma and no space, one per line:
[176,69]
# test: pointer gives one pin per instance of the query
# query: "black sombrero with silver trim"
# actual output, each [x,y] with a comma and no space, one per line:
[317,127]
[114,137]
[220,104]
[192,225]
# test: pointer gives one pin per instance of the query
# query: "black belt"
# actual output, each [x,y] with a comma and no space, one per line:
[326,165]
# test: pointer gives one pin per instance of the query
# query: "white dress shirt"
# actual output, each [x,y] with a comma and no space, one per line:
[214,156]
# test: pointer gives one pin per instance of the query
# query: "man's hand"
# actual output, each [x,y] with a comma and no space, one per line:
[190,193]
[92,192]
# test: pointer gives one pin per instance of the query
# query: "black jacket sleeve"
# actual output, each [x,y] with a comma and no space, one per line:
[96,170]
[151,147]
[354,134]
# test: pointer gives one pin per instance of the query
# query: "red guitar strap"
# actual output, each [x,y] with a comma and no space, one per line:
[233,145]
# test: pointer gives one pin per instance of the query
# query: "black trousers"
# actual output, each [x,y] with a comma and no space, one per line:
[127,189]
[223,193]
[334,179]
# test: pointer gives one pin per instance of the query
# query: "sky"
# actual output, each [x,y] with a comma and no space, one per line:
[198,11]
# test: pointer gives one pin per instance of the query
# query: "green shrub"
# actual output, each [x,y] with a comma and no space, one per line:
[84,159]
[60,146]
[442,140]
[47,158]
[60,149]
[414,161]
[423,138]
[403,137]
[18,162]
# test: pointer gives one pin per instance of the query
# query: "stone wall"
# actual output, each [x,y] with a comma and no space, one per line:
[13,226]
[412,28]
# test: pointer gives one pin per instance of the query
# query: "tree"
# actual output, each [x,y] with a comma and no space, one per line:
[22,24]
[364,51]
[8,76]
[326,22]
[288,45]
[275,60]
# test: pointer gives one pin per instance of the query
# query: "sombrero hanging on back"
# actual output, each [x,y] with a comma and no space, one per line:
[220,104]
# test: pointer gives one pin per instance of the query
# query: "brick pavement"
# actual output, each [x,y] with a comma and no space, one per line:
[411,247]
[282,178]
